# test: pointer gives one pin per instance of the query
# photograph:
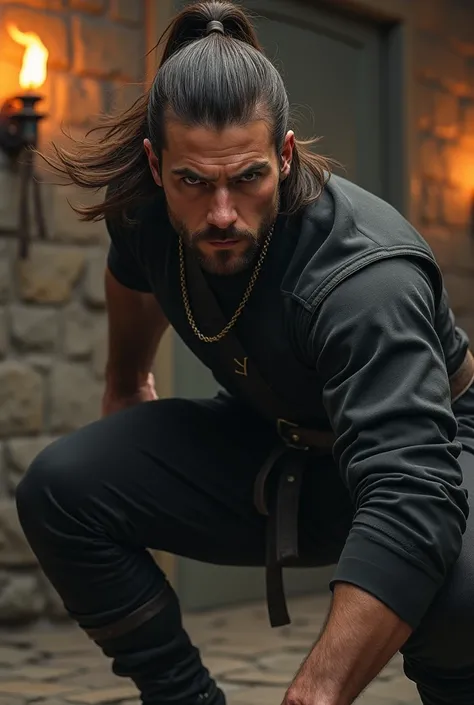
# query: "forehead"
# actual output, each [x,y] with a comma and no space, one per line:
[204,146]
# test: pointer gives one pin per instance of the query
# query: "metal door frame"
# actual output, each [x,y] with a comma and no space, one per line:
[396,19]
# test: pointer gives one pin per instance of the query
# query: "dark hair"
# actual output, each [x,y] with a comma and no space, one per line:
[205,78]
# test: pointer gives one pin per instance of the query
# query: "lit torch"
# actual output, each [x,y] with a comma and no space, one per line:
[19,129]
[35,58]
[20,110]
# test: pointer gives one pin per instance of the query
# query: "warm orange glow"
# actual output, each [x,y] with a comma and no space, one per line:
[33,70]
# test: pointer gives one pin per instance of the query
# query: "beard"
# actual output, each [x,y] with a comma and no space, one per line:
[222,261]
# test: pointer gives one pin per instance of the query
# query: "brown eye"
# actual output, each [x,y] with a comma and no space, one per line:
[189,181]
[249,178]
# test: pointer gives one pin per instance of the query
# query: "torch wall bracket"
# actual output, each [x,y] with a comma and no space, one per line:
[18,140]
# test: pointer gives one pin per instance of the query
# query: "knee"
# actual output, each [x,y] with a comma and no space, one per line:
[48,483]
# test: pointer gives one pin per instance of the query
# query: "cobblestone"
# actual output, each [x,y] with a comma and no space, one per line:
[59,665]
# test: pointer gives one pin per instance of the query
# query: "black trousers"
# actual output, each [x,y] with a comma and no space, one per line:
[177,475]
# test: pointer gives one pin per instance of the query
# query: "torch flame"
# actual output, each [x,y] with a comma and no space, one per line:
[33,70]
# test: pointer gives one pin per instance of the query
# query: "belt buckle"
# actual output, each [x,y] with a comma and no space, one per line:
[287,434]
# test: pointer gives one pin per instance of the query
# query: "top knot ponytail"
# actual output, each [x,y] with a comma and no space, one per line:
[192,23]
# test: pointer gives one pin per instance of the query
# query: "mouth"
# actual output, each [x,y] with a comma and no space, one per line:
[223,244]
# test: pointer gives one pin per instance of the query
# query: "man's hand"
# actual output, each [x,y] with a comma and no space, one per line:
[114,401]
[360,637]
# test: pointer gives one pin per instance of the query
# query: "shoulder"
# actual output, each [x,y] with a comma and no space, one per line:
[346,231]
[138,221]
[383,300]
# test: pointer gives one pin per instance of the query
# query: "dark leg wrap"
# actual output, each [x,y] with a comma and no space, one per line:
[151,647]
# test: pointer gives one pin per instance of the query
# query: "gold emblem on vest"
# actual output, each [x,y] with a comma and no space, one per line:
[241,368]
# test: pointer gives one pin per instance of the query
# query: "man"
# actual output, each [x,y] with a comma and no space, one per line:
[347,409]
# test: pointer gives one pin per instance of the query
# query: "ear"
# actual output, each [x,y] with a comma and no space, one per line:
[287,155]
[153,162]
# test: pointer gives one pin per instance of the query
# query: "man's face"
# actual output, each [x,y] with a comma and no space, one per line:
[222,189]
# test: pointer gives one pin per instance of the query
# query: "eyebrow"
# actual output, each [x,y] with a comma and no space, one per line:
[191,174]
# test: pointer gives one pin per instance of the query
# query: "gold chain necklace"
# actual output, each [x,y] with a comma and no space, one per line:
[240,307]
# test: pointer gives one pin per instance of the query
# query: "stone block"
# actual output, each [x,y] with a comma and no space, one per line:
[458,162]
[446,115]
[3,471]
[21,399]
[43,4]
[404,688]
[54,606]
[3,333]
[436,61]
[466,322]
[103,696]
[67,226]
[41,673]
[20,601]
[263,695]
[470,72]
[50,273]
[456,206]
[5,280]
[94,288]
[106,50]
[14,549]
[12,656]
[93,6]
[39,361]
[20,453]
[432,159]
[430,202]
[459,22]
[128,12]
[78,332]
[35,690]
[453,248]
[424,106]
[459,288]
[77,101]
[9,199]
[123,95]
[75,397]
[431,16]
[51,29]
[34,328]
[468,120]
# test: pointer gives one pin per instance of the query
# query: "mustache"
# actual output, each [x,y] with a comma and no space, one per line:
[214,233]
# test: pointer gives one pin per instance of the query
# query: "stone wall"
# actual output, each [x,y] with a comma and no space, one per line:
[52,319]
[443,177]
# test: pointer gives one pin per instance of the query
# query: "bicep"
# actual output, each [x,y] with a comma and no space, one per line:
[382,363]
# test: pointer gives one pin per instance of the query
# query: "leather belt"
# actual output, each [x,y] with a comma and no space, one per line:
[282,516]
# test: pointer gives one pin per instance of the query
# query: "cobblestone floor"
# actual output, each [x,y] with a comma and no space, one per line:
[253,663]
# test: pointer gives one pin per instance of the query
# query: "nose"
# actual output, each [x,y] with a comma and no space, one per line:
[222,213]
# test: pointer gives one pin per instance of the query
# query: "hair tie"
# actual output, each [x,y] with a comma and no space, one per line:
[215,26]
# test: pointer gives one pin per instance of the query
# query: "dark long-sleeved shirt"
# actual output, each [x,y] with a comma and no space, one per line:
[349,322]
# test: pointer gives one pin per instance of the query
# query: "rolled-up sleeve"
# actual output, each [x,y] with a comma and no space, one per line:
[386,392]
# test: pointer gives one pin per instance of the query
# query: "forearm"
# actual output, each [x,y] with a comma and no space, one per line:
[136,325]
[360,637]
